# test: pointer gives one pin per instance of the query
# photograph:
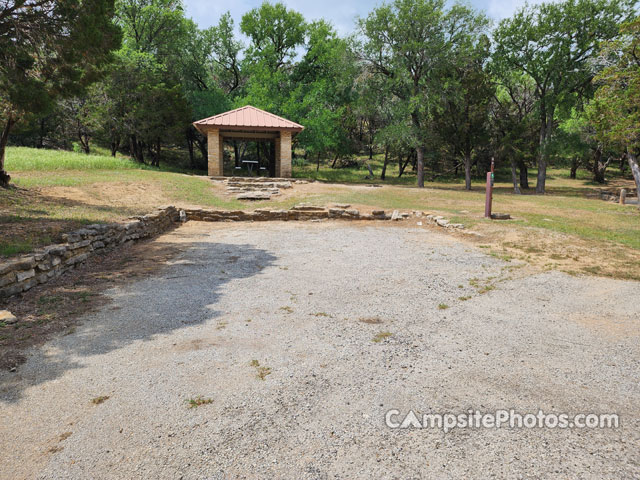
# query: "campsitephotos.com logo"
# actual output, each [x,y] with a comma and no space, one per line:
[499,419]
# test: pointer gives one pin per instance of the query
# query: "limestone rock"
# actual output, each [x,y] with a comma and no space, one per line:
[7,317]
[255,195]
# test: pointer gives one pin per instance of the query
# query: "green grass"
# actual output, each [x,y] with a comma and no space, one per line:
[21,159]
[198,401]
[33,216]
[380,336]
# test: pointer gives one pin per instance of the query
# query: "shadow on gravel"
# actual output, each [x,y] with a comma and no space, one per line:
[182,294]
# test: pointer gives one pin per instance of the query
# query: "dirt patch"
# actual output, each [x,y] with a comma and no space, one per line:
[119,194]
[54,307]
[548,250]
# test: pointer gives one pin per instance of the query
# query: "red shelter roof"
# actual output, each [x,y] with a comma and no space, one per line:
[248,118]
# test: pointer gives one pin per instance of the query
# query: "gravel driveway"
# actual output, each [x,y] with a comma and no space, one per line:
[300,305]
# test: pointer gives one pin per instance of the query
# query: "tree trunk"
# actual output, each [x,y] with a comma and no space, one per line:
[384,165]
[115,144]
[235,154]
[599,167]
[635,169]
[514,178]
[524,174]
[420,161]
[202,145]
[4,176]
[318,163]
[467,171]
[404,165]
[192,158]
[84,142]
[335,159]
[43,122]
[545,132]
[156,155]
[574,168]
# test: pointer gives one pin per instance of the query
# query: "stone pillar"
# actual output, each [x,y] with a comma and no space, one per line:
[215,147]
[285,154]
[277,156]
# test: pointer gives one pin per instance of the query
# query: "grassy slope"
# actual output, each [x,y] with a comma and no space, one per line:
[567,209]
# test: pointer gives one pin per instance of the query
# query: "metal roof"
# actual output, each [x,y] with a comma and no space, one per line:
[248,118]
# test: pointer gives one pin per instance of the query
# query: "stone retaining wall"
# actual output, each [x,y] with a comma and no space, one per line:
[21,274]
[299,212]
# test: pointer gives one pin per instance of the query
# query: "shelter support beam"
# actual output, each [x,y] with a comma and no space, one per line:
[215,146]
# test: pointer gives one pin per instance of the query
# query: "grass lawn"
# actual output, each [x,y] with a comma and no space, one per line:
[58,191]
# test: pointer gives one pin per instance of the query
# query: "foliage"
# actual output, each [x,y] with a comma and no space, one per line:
[422,88]
[49,49]
[411,43]
[553,43]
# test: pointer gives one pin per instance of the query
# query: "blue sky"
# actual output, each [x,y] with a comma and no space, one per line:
[341,13]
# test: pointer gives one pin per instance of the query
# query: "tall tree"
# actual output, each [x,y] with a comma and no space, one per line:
[410,42]
[615,110]
[275,33]
[514,124]
[462,120]
[49,49]
[553,43]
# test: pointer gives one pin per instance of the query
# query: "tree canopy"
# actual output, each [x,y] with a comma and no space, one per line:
[433,86]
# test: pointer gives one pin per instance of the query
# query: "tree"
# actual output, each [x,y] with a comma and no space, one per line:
[462,119]
[151,26]
[275,33]
[322,89]
[410,42]
[615,110]
[513,124]
[210,75]
[49,49]
[553,43]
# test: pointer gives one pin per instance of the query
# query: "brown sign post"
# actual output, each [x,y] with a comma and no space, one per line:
[489,195]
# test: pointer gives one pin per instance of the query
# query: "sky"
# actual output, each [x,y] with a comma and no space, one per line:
[341,13]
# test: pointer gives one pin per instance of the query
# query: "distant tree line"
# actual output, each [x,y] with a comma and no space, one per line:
[435,89]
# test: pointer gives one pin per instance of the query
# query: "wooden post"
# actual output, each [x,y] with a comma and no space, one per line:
[215,145]
[489,195]
[623,196]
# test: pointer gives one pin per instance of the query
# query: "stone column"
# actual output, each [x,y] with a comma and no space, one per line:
[285,154]
[277,144]
[215,147]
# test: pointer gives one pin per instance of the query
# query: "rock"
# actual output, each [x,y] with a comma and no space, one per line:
[343,206]
[256,195]
[19,264]
[442,222]
[378,213]
[24,275]
[500,216]
[183,216]
[305,207]
[7,317]
[395,215]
